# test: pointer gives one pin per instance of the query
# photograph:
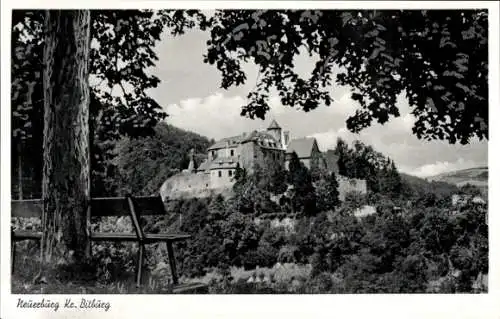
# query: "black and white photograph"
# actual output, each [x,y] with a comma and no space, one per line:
[245,151]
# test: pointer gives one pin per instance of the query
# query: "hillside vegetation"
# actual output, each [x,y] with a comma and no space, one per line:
[140,165]
[477,176]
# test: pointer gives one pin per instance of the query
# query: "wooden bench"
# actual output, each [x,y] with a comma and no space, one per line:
[116,206]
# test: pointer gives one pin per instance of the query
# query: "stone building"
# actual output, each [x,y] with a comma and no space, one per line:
[307,151]
[248,150]
[215,175]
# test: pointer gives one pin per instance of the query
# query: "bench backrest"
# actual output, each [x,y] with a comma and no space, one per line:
[27,208]
[104,206]
[118,206]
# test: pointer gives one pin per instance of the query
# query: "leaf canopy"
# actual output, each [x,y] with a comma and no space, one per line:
[437,58]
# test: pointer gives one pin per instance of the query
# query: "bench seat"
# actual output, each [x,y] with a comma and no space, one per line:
[190,287]
[26,234]
[148,238]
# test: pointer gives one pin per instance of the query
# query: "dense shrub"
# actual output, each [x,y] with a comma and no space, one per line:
[288,254]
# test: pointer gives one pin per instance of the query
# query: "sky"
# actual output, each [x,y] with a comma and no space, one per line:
[190,94]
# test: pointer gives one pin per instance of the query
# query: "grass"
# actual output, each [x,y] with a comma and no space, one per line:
[85,280]
[77,280]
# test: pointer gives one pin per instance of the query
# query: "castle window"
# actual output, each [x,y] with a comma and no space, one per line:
[230,173]
[232,152]
[220,173]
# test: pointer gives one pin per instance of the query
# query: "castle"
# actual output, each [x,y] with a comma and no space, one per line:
[215,175]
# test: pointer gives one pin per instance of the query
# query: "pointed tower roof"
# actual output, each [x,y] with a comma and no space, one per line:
[192,162]
[274,125]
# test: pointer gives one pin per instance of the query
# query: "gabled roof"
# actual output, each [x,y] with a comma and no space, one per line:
[274,125]
[302,146]
[203,166]
[231,141]
[224,162]
[263,139]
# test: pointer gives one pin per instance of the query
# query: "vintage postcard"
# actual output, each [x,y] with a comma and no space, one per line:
[249,159]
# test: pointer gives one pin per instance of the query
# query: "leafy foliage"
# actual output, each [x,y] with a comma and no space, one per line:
[253,190]
[122,43]
[303,196]
[327,194]
[143,164]
[364,162]
[438,58]
[122,50]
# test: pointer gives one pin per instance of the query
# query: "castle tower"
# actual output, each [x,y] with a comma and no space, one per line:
[192,164]
[275,131]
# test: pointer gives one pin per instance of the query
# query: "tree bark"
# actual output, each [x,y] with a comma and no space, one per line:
[66,167]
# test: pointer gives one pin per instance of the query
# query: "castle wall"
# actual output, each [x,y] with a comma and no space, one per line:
[350,185]
[264,155]
[247,155]
[223,177]
[317,160]
[185,183]
[224,152]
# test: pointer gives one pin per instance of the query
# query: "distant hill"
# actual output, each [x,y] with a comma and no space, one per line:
[417,186]
[445,183]
[477,176]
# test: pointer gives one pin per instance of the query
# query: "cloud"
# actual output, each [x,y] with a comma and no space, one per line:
[215,116]
[442,167]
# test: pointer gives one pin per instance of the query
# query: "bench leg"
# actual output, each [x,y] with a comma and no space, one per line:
[88,249]
[171,260]
[12,255]
[140,262]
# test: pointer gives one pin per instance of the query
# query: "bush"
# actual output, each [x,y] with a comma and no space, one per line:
[263,256]
[320,284]
[355,200]
[288,254]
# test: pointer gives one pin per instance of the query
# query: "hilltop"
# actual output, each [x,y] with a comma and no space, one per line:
[477,176]
[416,187]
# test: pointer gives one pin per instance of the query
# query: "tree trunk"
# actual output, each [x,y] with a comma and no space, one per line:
[66,167]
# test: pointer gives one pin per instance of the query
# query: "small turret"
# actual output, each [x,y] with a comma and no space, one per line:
[192,164]
[275,131]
